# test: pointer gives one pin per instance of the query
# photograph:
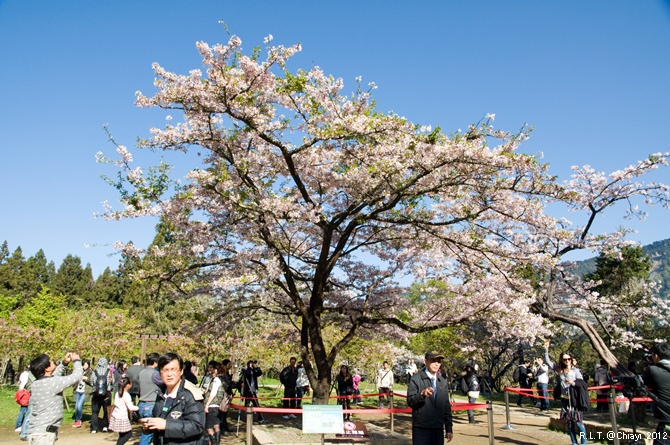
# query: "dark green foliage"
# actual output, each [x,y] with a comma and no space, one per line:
[13,276]
[74,282]
[22,279]
[40,270]
[152,300]
[658,254]
[619,276]
[109,289]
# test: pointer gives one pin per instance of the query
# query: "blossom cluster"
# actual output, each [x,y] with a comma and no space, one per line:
[311,203]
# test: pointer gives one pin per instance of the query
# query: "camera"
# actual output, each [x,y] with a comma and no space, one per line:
[633,385]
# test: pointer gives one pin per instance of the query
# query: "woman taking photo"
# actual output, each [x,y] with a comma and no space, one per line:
[568,376]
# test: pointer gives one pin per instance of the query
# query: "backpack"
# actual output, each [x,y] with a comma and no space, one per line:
[469,384]
[516,375]
[101,385]
[283,376]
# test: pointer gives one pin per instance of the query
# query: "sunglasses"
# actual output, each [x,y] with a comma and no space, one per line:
[567,359]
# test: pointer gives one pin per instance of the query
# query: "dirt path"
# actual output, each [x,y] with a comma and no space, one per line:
[530,429]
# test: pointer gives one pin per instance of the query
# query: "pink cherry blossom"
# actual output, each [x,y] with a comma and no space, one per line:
[312,205]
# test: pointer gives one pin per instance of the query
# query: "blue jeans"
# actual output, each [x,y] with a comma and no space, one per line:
[80,398]
[471,412]
[542,389]
[26,420]
[146,410]
[21,417]
[574,436]
[299,393]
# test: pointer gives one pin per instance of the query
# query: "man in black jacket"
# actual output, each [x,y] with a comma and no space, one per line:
[657,378]
[428,396]
[178,415]
[289,377]
[525,381]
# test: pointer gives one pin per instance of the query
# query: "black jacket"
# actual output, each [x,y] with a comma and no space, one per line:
[289,377]
[524,381]
[657,378]
[579,394]
[426,411]
[185,419]
[250,381]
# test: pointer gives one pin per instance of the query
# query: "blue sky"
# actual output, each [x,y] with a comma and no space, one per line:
[592,77]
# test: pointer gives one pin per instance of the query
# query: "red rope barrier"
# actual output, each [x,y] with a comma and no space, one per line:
[455,406]
[528,391]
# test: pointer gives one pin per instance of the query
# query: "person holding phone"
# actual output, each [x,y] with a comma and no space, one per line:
[47,398]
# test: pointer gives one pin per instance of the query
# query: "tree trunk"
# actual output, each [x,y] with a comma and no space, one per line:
[588,328]
[317,366]
[321,392]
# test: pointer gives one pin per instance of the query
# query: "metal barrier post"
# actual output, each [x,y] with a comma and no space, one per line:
[391,406]
[489,412]
[615,429]
[509,426]
[250,421]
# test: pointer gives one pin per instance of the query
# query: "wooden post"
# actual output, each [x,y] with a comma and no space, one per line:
[144,338]
[143,354]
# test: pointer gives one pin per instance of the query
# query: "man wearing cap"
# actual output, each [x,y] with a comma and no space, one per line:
[428,396]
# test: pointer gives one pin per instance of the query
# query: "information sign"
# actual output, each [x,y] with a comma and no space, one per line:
[322,419]
[355,430]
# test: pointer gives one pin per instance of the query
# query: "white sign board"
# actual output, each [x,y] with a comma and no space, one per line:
[322,419]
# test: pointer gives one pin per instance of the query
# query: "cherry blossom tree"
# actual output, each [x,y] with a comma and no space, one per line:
[309,204]
[565,297]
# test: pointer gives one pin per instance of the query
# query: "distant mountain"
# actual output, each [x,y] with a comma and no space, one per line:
[659,252]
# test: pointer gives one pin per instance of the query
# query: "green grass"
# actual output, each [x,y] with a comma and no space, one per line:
[9,409]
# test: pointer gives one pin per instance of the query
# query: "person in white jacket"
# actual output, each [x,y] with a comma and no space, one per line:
[385,385]
[541,373]
[120,422]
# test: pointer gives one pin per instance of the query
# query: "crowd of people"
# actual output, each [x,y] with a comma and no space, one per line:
[572,391]
[162,394]
[172,406]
